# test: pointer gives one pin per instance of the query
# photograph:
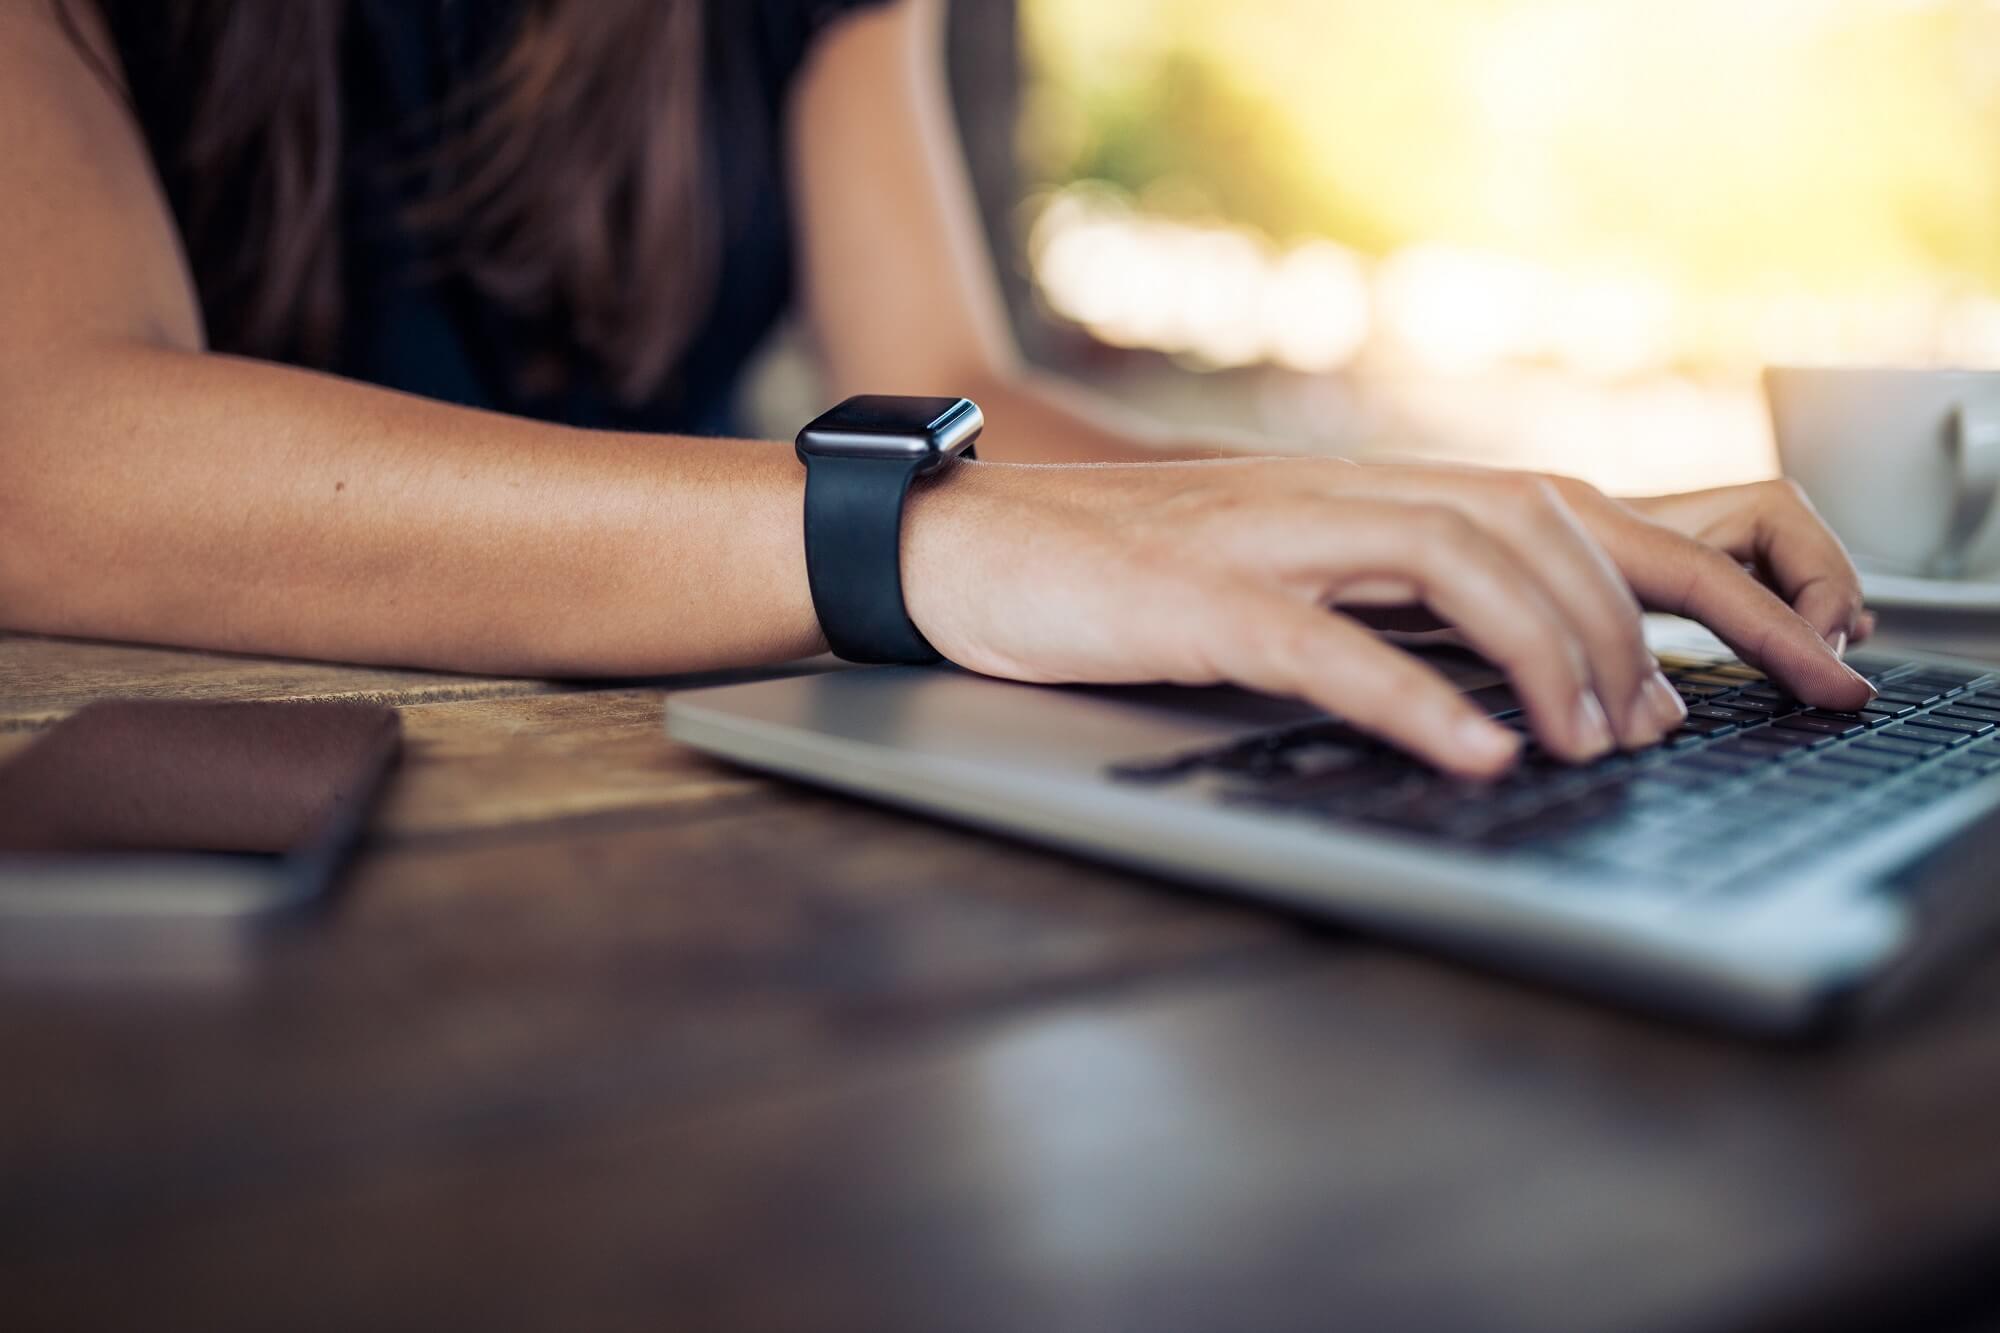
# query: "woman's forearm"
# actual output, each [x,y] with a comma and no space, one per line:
[196,499]
[184,497]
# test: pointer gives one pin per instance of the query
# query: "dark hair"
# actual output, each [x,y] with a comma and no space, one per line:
[576,185]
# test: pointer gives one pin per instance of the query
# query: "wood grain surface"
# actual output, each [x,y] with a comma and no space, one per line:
[606,1035]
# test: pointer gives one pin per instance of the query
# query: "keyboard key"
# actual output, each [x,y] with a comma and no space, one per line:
[1694,691]
[1899,693]
[1944,682]
[1880,712]
[1939,722]
[1700,724]
[1820,723]
[1724,713]
[1752,747]
[1926,736]
[1858,755]
[1910,745]
[1791,739]
[1967,713]
[1873,672]
[1764,707]
[1950,675]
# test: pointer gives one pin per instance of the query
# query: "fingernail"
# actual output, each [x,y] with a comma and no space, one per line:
[1863,679]
[1838,642]
[1593,729]
[1668,709]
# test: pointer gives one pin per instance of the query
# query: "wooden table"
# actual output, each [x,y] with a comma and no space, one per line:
[607,1035]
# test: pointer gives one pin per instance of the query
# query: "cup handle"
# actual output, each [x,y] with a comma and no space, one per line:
[1972,442]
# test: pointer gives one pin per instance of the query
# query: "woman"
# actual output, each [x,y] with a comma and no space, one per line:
[402,332]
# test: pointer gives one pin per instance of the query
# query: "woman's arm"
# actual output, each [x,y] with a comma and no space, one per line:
[150,489]
[898,280]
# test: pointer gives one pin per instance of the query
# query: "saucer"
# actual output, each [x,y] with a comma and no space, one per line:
[1881,589]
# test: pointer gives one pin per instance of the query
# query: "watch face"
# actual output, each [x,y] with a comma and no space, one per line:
[888,426]
[887,414]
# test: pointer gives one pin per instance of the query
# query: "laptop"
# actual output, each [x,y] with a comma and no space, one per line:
[1771,868]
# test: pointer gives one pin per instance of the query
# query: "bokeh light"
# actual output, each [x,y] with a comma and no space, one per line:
[1597,217]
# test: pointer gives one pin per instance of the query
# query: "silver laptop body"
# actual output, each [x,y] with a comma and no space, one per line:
[1859,893]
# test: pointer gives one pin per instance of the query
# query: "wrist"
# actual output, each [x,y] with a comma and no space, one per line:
[956,526]
[863,458]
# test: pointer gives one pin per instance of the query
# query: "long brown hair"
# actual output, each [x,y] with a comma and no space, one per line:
[575,188]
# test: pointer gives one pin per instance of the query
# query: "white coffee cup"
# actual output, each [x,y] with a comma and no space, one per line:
[1903,464]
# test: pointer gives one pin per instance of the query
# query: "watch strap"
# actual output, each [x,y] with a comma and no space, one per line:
[854,559]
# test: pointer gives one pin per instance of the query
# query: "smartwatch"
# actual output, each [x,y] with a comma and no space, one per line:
[860,459]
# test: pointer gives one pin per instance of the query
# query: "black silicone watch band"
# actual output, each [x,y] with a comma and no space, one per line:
[854,529]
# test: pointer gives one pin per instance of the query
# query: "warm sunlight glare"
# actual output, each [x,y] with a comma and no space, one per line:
[1606,214]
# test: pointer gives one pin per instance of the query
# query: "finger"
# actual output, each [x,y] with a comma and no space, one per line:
[1530,515]
[1478,584]
[1804,561]
[1283,645]
[1773,526]
[1541,528]
[1676,573]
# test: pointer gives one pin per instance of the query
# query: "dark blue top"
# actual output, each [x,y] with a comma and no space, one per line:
[409,325]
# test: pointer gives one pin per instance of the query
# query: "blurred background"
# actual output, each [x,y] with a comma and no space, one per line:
[1561,234]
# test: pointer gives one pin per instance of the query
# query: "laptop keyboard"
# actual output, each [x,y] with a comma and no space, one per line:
[1751,780]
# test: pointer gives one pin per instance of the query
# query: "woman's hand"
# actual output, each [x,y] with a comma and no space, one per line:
[1772,528]
[1200,573]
